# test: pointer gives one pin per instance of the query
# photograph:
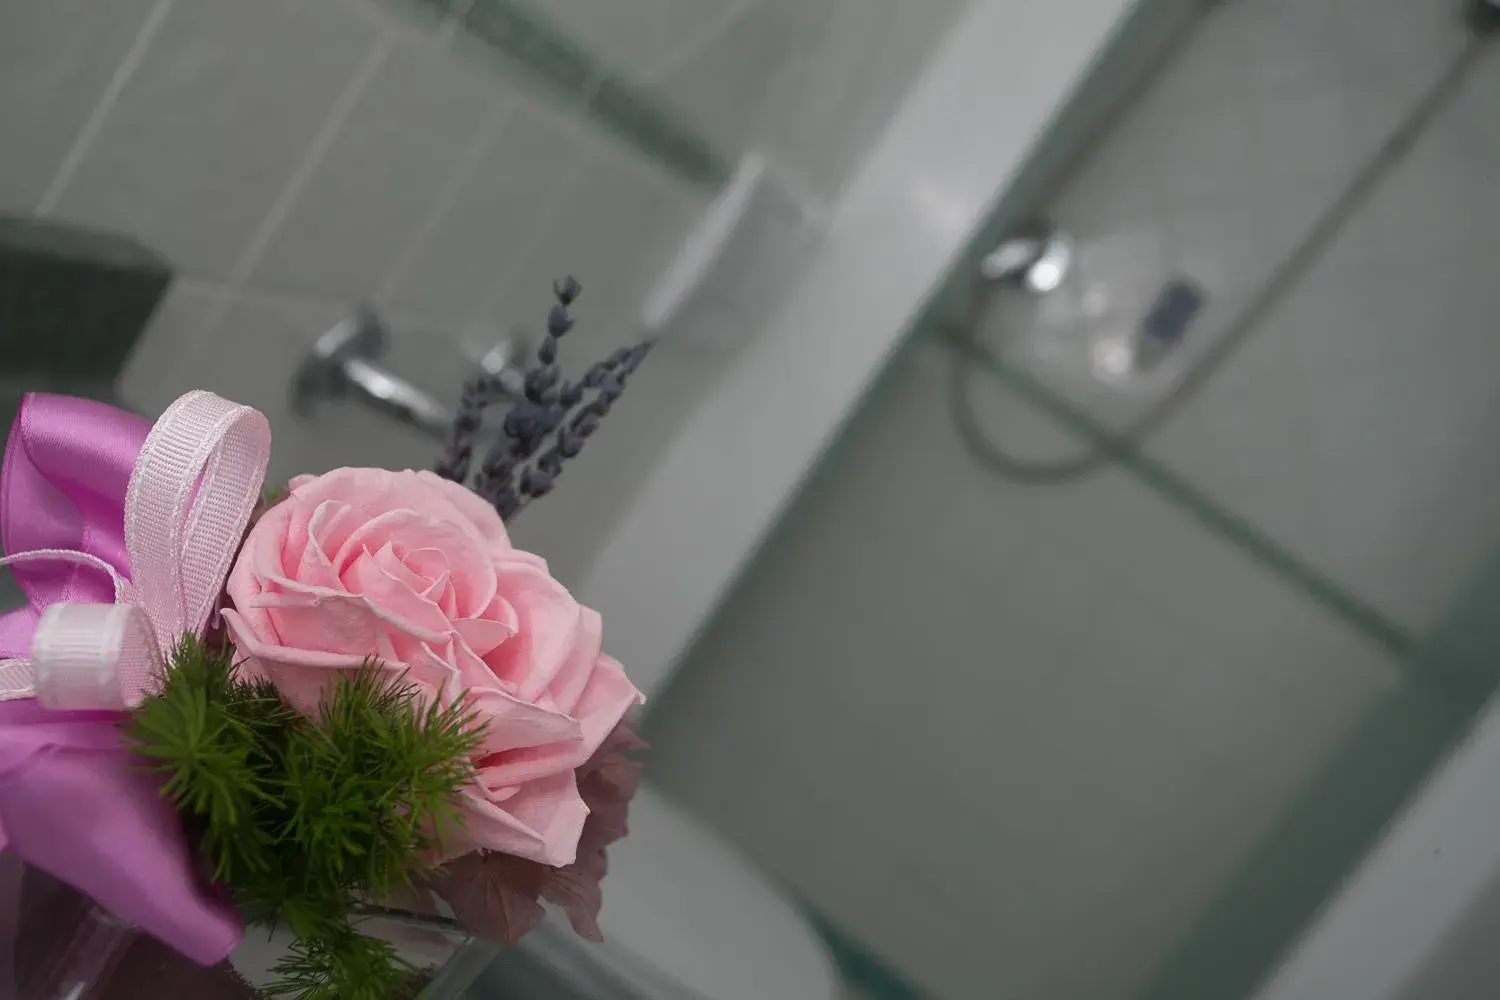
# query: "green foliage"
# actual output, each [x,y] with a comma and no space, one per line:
[305,817]
[342,966]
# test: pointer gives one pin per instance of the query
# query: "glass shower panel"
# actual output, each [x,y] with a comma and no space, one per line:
[977,725]
[1320,175]
[1119,727]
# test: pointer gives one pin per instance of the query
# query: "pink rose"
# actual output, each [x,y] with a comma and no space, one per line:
[418,573]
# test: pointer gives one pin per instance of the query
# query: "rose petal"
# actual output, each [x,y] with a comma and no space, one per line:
[473,671]
[481,634]
[604,702]
[485,518]
[393,564]
[577,669]
[548,618]
[431,567]
[300,675]
[329,524]
[368,579]
[372,492]
[541,822]
[511,723]
[494,625]
[473,575]
[284,535]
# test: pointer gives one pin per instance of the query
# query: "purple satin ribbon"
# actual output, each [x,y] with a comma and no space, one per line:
[73,800]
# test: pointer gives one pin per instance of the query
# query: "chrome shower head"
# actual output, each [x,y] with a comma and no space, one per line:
[1037,259]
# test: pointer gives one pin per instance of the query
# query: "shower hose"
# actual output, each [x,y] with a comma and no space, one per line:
[969,355]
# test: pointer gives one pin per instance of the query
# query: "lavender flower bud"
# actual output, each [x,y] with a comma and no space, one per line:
[558,321]
[465,422]
[547,353]
[536,483]
[637,354]
[507,503]
[497,455]
[538,381]
[567,290]
[453,464]
[521,420]
[595,376]
[585,424]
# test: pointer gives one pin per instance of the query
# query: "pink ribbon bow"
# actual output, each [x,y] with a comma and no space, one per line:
[121,540]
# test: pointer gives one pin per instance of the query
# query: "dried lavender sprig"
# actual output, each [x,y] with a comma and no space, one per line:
[458,451]
[539,478]
[545,428]
[567,290]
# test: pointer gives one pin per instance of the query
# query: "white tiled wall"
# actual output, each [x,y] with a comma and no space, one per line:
[811,82]
[292,156]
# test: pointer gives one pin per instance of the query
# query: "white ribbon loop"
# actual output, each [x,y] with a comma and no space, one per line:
[192,491]
[89,656]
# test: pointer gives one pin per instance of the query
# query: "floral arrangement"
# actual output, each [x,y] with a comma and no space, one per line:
[299,708]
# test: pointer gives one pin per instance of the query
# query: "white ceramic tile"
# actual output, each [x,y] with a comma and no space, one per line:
[631,36]
[496,218]
[720,86]
[1290,46]
[251,357]
[1395,47]
[811,82]
[379,179]
[56,60]
[203,138]
[615,228]
[1206,153]
[570,524]
[689,24]
[1430,207]
[1471,119]
[155,373]
[1307,133]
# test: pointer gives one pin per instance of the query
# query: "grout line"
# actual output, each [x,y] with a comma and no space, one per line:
[317,150]
[712,32]
[533,238]
[1321,590]
[210,285]
[155,17]
[448,30]
[442,206]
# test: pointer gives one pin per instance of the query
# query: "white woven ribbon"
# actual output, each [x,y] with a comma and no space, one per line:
[192,491]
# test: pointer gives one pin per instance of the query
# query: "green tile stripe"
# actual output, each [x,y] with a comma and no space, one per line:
[528,46]
[1450,675]
[1177,490]
[1277,895]
[871,978]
